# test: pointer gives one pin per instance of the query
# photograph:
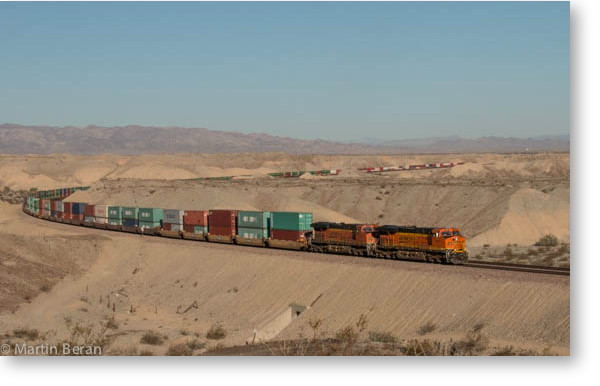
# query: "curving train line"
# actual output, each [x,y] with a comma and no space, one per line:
[534,269]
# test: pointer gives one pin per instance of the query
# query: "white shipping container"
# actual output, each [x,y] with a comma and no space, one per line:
[101,211]
[102,220]
[60,206]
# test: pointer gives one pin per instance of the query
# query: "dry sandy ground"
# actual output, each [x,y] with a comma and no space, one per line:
[248,289]
[51,271]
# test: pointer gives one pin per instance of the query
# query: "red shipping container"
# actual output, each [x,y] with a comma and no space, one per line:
[89,210]
[195,217]
[53,206]
[166,226]
[77,217]
[43,207]
[66,216]
[222,218]
[222,230]
[280,234]
[68,208]
[58,214]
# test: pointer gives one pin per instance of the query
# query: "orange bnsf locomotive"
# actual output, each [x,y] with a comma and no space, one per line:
[440,245]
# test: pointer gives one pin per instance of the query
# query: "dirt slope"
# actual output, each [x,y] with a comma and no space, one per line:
[246,289]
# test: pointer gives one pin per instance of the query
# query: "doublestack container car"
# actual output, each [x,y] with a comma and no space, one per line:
[195,224]
[115,217]
[291,226]
[253,227]
[150,218]
[222,224]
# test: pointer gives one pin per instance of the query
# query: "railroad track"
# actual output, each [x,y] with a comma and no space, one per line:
[519,267]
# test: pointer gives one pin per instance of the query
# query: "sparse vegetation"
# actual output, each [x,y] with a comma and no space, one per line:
[179,349]
[383,337]
[216,332]
[427,328]
[26,333]
[152,338]
[548,240]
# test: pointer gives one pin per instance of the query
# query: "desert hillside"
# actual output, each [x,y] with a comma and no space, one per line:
[494,199]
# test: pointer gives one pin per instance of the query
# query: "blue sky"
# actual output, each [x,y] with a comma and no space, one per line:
[309,70]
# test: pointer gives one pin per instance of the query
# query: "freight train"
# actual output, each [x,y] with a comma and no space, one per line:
[286,230]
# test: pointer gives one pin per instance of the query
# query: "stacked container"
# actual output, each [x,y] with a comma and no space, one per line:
[254,225]
[101,214]
[195,221]
[68,210]
[53,208]
[130,217]
[172,219]
[115,215]
[60,208]
[89,212]
[222,222]
[290,226]
[150,218]
[43,203]
[77,211]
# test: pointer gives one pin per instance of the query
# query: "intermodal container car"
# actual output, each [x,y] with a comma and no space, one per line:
[253,219]
[173,216]
[291,221]
[130,213]
[221,230]
[150,215]
[222,218]
[101,211]
[195,228]
[195,217]
[282,234]
[89,210]
[78,208]
[253,233]
[115,212]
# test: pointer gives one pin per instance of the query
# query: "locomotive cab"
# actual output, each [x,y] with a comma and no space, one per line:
[453,242]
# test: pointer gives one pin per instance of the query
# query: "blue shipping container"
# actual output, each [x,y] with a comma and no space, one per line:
[129,222]
[78,207]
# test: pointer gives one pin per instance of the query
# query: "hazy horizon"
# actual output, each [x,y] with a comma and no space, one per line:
[333,71]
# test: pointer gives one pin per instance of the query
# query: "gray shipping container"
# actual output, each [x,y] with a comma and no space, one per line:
[173,216]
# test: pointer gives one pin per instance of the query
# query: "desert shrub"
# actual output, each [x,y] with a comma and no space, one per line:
[532,252]
[86,335]
[347,334]
[427,328]
[153,338]
[548,240]
[216,332]
[564,248]
[26,333]
[111,323]
[195,344]
[179,349]
[383,337]
[486,245]
[45,288]
[508,253]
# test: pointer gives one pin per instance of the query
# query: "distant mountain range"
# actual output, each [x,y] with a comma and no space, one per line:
[19,139]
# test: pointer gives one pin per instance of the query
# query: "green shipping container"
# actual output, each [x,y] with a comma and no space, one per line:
[252,219]
[291,221]
[200,229]
[150,215]
[130,213]
[114,221]
[115,212]
[253,233]
[47,205]
[149,224]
